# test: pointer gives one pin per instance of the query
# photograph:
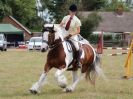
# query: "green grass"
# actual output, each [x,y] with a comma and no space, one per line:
[20,69]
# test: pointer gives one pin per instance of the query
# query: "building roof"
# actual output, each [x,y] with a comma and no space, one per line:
[20,24]
[9,29]
[111,22]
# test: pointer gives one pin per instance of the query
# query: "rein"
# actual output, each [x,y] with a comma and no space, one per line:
[57,44]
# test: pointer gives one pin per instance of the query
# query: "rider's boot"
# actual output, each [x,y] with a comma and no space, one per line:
[79,52]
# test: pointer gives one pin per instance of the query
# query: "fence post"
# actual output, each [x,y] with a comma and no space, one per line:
[100,43]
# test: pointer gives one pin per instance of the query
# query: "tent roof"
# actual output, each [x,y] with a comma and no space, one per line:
[9,29]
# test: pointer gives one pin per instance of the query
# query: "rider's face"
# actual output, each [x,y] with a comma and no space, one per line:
[72,13]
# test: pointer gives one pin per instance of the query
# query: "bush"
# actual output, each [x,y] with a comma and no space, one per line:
[93,38]
[89,24]
[115,5]
[107,37]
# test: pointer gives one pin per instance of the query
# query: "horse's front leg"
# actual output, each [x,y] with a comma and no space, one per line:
[60,78]
[76,79]
[36,87]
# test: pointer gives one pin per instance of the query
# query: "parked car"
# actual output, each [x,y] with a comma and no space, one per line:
[35,43]
[22,45]
[3,43]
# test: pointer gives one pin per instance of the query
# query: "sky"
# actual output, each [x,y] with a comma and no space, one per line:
[43,14]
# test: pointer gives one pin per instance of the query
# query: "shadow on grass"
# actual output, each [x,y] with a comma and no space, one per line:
[52,92]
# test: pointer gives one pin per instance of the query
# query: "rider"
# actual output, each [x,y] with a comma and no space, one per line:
[71,24]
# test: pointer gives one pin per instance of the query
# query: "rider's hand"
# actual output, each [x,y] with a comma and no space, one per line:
[67,37]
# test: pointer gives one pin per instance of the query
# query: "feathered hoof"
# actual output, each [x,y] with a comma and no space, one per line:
[68,90]
[63,86]
[33,91]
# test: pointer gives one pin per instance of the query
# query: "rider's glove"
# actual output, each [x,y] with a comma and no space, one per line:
[67,37]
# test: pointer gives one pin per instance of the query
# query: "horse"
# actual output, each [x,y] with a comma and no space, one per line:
[61,57]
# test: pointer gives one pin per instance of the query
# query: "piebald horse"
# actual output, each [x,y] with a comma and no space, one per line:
[61,56]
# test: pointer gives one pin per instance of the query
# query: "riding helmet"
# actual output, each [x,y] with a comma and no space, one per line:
[73,8]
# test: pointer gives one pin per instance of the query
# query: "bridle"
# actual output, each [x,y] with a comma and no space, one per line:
[51,38]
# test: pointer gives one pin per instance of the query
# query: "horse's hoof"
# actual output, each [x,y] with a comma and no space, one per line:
[68,90]
[63,87]
[33,91]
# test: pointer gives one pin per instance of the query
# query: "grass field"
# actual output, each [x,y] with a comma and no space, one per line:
[20,69]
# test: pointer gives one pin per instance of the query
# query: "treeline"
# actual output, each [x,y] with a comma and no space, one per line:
[25,11]
[59,8]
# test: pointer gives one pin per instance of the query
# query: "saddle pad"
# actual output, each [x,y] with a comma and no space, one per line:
[69,48]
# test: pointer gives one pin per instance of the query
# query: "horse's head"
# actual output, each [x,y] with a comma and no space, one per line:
[50,34]
[46,30]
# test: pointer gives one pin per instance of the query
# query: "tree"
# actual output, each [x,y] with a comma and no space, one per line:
[89,5]
[89,24]
[59,8]
[115,5]
[23,10]
[4,9]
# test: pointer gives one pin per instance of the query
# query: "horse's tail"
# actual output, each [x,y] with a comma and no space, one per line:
[94,70]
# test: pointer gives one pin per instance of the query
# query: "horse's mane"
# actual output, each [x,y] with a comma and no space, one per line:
[58,30]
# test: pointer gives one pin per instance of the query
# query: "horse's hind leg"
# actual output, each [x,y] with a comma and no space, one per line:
[36,87]
[76,79]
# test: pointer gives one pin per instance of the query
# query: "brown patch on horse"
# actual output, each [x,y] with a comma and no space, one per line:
[56,56]
[88,66]
[88,59]
[51,37]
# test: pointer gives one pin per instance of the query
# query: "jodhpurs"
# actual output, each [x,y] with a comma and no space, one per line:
[75,40]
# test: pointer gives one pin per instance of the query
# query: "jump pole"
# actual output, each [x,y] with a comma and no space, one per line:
[128,63]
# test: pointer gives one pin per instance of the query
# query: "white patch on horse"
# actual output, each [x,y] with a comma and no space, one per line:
[36,87]
[69,55]
[76,79]
[68,45]
[60,78]
[59,32]
[84,41]
[93,52]
[83,54]
[57,36]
